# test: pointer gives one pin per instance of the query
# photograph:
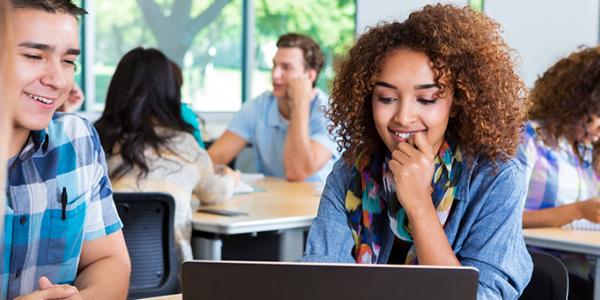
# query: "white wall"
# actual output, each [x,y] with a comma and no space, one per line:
[369,12]
[543,31]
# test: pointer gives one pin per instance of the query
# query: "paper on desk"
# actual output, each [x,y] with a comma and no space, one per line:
[582,224]
[242,188]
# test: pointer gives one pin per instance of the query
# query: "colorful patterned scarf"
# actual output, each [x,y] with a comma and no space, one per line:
[373,192]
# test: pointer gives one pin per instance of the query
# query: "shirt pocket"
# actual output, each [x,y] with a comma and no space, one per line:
[66,234]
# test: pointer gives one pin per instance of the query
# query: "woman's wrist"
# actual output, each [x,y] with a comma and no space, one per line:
[422,212]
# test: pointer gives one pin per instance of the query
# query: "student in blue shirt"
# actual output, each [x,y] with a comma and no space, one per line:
[62,233]
[286,126]
[428,112]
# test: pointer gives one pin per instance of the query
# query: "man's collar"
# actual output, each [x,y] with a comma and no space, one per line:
[274,117]
[39,138]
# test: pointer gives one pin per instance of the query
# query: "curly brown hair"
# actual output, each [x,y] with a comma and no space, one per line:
[470,60]
[566,96]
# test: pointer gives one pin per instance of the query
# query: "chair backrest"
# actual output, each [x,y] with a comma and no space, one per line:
[149,235]
[550,279]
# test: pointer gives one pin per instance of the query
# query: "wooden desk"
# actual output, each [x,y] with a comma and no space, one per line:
[586,242]
[286,206]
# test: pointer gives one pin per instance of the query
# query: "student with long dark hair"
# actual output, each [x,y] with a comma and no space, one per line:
[150,147]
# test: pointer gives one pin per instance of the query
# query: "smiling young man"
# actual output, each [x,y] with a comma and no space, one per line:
[286,126]
[62,234]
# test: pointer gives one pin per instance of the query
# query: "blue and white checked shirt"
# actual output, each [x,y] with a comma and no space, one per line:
[39,239]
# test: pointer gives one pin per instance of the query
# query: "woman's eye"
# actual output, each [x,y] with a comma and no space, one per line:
[427,101]
[385,100]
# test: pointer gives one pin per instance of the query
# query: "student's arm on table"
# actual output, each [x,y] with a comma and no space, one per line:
[214,186]
[104,268]
[564,214]
[302,157]
[226,148]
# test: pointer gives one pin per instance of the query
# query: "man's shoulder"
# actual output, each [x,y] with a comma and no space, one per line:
[68,122]
[67,127]
[263,99]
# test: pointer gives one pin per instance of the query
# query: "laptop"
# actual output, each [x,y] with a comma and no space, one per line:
[231,280]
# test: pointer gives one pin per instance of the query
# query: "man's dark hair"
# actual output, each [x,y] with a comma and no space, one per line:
[51,6]
[313,56]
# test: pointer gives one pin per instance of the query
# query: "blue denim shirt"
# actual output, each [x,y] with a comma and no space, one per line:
[484,229]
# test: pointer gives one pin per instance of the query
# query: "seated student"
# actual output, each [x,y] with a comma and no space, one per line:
[188,115]
[286,126]
[428,111]
[62,233]
[560,149]
[149,146]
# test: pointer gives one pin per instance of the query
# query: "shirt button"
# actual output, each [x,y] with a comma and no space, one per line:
[23,220]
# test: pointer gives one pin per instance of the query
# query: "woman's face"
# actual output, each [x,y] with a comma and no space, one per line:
[591,132]
[405,100]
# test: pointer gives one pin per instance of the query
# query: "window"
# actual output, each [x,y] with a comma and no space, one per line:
[477,5]
[330,23]
[224,47]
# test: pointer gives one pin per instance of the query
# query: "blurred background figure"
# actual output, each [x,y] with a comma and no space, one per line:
[150,148]
[560,152]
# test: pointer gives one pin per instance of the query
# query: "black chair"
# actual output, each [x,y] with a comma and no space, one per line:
[550,279]
[149,235]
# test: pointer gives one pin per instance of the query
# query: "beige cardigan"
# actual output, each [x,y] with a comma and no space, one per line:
[186,172]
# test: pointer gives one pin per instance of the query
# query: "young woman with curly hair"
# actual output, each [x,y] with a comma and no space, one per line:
[560,149]
[428,112]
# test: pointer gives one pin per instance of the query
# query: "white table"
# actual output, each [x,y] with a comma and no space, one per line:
[288,207]
[579,241]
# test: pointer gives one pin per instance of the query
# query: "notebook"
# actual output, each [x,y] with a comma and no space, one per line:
[231,280]
[582,224]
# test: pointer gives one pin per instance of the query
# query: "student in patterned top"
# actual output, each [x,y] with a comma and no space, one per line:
[560,149]
[62,234]
[428,112]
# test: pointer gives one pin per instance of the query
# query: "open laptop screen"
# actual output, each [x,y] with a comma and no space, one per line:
[231,280]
